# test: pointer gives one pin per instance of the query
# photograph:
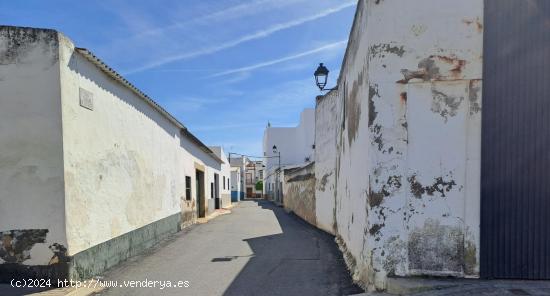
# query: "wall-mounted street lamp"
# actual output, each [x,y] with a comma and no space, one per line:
[321,77]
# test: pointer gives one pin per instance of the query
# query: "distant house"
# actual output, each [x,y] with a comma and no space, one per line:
[236,184]
[296,146]
[254,172]
[238,169]
[223,185]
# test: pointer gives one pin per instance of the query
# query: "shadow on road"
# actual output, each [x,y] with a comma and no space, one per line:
[301,260]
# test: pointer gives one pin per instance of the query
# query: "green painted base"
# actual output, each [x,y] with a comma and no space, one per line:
[99,258]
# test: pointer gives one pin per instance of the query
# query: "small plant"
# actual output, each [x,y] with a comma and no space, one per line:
[259,186]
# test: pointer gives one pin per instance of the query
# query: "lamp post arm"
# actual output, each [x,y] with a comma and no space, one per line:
[329,89]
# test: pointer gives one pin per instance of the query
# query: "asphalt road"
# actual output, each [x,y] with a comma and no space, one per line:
[258,249]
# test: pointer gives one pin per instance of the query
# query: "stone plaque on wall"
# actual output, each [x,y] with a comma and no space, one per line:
[86,99]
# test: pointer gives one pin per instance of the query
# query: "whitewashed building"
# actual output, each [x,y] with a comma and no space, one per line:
[92,170]
[224,183]
[236,184]
[254,173]
[238,169]
[295,145]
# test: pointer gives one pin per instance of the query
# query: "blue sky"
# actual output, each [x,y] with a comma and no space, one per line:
[223,67]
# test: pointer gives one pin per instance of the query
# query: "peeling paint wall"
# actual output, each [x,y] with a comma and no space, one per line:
[125,163]
[327,127]
[404,126]
[32,205]
[299,192]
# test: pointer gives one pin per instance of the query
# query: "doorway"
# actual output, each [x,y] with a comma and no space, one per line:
[216,191]
[201,200]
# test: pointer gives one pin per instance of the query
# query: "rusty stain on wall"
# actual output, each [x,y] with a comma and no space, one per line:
[476,22]
[403,98]
[435,68]
[427,70]
[15,245]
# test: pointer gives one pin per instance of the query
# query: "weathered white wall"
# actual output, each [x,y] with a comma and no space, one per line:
[125,163]
[31,150]
[299,192]
[406,174]
[328,119]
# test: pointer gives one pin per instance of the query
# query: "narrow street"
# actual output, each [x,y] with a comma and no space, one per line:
[258,249]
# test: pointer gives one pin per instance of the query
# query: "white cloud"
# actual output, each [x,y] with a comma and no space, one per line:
[190,104]
[237,78]
[233,12]
[232,43]
[333,45]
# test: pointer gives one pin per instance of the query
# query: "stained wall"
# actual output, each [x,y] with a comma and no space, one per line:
[401,192]
[32,207]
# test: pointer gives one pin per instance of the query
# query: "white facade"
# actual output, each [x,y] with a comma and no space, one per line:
[225,176]
[238,166]
[236,184]
[85,155]
[32,195]
[295,144]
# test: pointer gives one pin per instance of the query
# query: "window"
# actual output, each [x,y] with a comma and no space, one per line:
[228,183]
[187,188]
[211,189]
[223,182]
